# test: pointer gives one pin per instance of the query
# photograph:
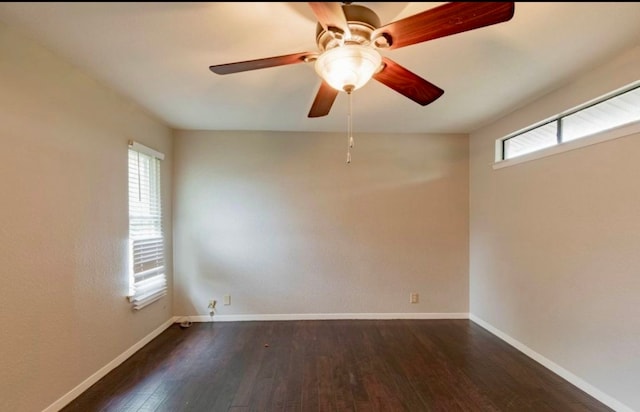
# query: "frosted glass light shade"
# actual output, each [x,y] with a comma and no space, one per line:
[348,67]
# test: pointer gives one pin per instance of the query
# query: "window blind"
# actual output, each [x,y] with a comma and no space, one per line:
[146,241]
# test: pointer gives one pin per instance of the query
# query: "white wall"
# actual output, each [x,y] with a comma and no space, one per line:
[554,259]
[63,225]
[281,223]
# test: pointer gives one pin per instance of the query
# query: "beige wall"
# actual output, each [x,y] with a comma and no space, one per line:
[63,225]
[281,223]
[554,259]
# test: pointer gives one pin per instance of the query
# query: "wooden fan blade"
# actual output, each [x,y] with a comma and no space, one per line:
[324,100]
[331,16]
[445,20]
[407,83]
[244,66]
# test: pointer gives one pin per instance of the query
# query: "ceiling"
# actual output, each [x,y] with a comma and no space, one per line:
[158,54]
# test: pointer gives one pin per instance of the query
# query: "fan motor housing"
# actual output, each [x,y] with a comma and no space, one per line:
[362,21]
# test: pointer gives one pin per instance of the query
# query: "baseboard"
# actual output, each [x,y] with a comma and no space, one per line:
[320,316]
[75,392]
[554,367]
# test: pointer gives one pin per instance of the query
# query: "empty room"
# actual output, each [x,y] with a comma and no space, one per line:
[271,206]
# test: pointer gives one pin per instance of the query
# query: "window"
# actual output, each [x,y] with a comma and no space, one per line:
[146,241]
[606,113]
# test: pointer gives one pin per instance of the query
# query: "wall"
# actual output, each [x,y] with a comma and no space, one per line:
[554,243]
[281,223]
[63,225]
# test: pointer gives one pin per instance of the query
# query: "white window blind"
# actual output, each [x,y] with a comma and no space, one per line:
[606,113]
[148,281]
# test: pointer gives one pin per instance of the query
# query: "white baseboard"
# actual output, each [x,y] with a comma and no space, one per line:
[554,367]
[320,316]
[75,392]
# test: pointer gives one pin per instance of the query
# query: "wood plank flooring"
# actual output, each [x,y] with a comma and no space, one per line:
[332,365]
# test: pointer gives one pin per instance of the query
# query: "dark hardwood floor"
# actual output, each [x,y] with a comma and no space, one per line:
[332,365]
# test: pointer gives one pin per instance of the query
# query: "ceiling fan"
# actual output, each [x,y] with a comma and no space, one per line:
[349,36]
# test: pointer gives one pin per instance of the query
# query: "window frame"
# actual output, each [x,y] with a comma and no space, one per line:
[146,241]
[596,137]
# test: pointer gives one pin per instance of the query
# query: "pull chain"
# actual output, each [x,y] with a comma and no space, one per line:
[349,127]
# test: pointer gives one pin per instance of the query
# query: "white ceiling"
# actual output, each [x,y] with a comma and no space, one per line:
[158,54]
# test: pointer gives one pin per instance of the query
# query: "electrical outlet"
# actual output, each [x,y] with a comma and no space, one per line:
[413,298]
[227,299]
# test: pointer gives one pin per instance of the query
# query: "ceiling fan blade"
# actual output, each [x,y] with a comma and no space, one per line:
[407,83]
[331,15]
[244,66]
[324,100]
[445,20]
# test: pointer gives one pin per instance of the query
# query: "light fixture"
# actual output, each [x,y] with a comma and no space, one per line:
[348,67]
